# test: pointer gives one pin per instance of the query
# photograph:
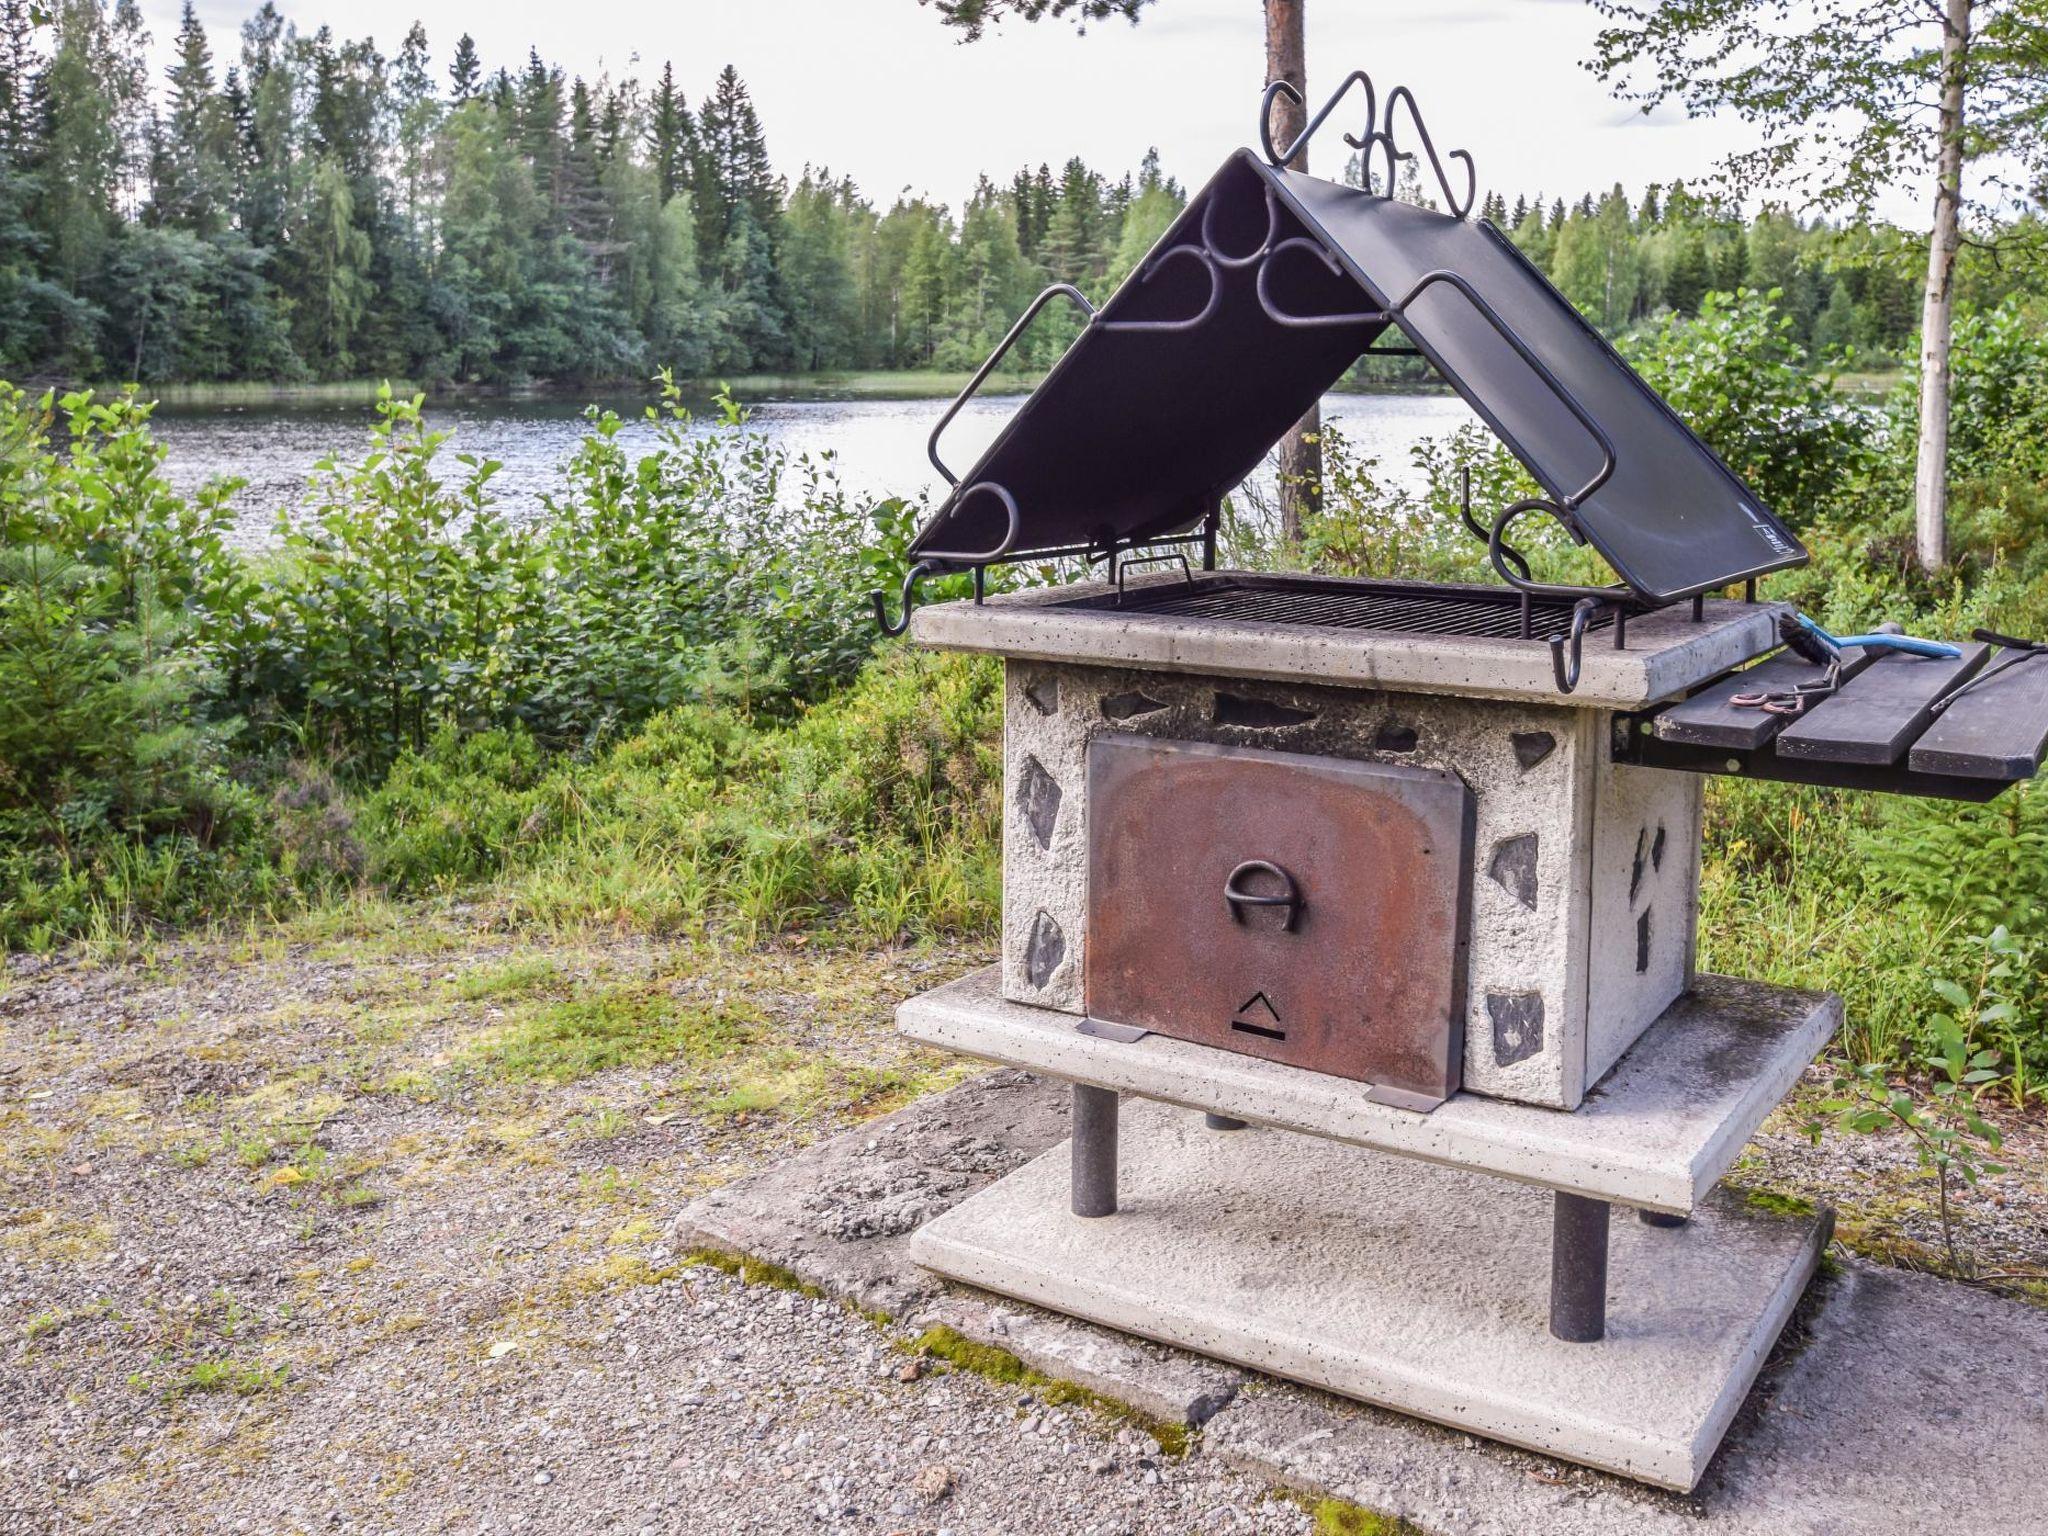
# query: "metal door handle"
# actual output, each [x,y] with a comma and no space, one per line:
[1289,897]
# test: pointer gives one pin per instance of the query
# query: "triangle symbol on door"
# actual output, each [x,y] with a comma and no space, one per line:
[1259,1000]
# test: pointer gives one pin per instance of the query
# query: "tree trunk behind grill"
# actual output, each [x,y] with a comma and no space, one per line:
[1930,475]
[1301,454]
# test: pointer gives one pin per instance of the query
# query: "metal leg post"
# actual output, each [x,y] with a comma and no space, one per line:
[1094,1151]
[1578,1268]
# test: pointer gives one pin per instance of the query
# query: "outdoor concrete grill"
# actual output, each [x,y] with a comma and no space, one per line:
[1397,882]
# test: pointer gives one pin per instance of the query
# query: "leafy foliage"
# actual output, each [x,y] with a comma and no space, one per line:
[1741,381]
[404,632]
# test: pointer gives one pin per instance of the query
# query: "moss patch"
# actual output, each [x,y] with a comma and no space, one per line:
[1773,1202]
[1334,1517]
[985,1360]
[751,1271]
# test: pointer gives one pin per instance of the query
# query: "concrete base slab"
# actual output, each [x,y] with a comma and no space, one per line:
[1413,1286]
[1893,1403]
[839,1216]
[1658,1130]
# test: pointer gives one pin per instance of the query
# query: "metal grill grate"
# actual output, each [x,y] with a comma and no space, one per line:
[1398,607]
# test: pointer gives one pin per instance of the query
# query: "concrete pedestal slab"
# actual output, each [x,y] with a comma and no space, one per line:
[1658,1131]
[1417,1287]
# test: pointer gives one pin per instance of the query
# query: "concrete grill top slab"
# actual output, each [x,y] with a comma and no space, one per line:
[1657,1132]
[1666,654]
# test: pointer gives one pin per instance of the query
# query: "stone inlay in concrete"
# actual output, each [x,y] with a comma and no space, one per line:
[1258,714]
[1038,796]
[1517,1019]
[1416,1287]
[1531,747]
[1513,867]
[1129,706]
[1045,950]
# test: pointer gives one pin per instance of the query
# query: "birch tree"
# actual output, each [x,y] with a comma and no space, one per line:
[1854,98]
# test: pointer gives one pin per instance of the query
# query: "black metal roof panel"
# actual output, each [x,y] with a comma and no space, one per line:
[1672,518]
[1134,433]
[1255,302]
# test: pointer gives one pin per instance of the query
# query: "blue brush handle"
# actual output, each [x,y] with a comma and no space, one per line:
[1907,644]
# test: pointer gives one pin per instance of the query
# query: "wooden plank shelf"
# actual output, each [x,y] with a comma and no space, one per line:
[1878,714]
[1887,729]
[1710,718]
[1995,731]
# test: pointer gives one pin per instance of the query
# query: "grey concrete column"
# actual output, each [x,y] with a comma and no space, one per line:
[1094,1151]
[1578,1268]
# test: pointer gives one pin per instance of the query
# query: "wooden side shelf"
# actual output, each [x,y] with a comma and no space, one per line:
[1878,731]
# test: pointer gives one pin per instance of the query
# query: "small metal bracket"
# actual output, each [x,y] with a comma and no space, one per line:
[1102,1029]
[1123,568]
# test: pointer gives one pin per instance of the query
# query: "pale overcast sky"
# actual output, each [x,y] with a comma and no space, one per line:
[880,90]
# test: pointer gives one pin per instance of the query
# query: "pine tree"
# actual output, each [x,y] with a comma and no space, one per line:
[1731,263]
[418,112]
[190,169]
[732,169]
[1690,276]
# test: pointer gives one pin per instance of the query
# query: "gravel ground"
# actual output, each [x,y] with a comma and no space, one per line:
[280,1251]
[363,1231]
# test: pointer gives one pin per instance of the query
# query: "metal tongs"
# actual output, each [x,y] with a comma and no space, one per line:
[2014,652]
[1807,639]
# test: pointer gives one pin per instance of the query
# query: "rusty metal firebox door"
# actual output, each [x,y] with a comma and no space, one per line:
[1311,910]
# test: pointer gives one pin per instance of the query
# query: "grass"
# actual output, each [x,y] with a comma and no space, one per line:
[631,1025]
[242,1378]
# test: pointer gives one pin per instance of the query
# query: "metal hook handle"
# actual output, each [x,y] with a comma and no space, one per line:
[1288,899]
[1385,139]
[876,600]
[1152,269]
[1280,88]
[1583,612]
[1280,316]
[1477,529]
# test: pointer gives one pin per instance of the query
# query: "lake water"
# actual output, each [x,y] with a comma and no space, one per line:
[878,445]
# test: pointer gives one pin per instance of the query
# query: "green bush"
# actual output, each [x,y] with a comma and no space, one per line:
[404,645]
[1740,380]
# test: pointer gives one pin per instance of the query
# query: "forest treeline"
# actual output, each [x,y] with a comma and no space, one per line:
[315,209]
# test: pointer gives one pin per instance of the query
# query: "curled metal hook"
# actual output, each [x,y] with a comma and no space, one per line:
[878,601]
[1477,529]
[1216,252]
[1383,139]
[1498,551]
[1583,613]
[1279,88]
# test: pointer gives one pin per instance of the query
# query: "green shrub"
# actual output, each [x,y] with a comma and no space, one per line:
[1741,381]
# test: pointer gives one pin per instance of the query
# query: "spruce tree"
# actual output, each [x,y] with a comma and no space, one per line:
[671,138]
[465,71]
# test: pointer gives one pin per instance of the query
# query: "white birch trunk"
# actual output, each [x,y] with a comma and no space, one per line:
[1930,473]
